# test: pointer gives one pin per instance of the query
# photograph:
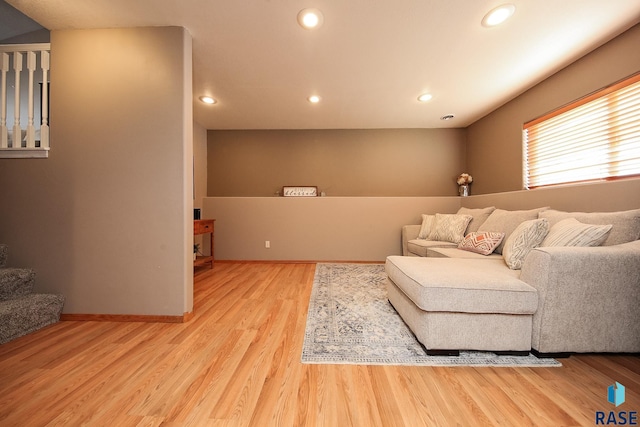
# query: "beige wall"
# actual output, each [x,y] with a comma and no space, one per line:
[316,228]
[106,220]
[368,228]
[597,197]
[381,162]
[199,164]
[494,150]
[200,178]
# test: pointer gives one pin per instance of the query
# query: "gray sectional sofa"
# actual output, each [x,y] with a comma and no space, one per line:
[556,283]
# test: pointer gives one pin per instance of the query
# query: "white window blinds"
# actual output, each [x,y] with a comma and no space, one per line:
[594,138]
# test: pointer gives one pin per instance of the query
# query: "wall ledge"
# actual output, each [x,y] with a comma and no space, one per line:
[24,153]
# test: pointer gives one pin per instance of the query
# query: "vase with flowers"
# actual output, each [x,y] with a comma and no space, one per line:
[464,180]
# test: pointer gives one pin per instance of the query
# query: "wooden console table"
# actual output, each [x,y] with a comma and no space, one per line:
[204,226]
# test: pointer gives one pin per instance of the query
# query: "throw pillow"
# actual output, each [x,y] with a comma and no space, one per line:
[479,217]
[571,232]
[481,243]
[525,237]
[507,221]
[427,225]
[449,227]
[626,224]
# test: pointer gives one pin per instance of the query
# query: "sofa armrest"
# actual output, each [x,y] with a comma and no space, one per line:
[588,298]
[409,232]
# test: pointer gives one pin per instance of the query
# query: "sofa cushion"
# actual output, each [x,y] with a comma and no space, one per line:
[458,253]
[525,237]
[419,247]
[507,221]
[481,243]
[450,227]
[427,225]
[571,232]
[479,216]
[462,285]
[626,224]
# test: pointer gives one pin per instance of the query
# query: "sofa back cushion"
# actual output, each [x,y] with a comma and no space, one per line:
[478,217]
[625,224]
[506,221]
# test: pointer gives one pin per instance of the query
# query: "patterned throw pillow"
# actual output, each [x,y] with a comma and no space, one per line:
[525,237]
[449,227]
[571,232]
[427,225]
[481,243]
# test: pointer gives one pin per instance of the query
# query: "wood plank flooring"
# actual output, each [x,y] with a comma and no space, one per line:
[237,363]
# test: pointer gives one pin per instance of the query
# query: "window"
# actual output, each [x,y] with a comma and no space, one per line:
[594,138]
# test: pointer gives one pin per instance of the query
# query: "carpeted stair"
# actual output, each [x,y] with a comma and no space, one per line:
[21,310]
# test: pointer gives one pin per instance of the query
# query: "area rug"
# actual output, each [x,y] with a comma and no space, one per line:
[350,321]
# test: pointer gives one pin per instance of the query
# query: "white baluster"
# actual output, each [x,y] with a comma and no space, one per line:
[4,132]
[17,131]
[44,128]
[31,130]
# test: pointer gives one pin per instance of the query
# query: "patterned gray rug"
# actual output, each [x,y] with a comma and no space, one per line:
[350,321]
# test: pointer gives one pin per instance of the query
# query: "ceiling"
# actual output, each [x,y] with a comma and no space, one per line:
[368,62]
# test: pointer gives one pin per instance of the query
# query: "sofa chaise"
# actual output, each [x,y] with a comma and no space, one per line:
[539,280]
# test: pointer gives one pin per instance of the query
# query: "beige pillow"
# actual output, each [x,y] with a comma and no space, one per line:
[507,221]
[427,225]
[479,217]
[571,232]
[481,243]
[525,237]
[449,227]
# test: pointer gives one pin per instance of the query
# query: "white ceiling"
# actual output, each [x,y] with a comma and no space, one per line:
[369,61]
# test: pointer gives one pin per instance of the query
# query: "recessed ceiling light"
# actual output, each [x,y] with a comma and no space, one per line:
[447,117]
[310,18]
[314,99]
[498,15]
[207,100]
[425,97]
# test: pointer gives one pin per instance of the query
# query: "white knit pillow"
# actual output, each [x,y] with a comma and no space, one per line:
[525,237]
[571,232]
[449,227]
[427,225]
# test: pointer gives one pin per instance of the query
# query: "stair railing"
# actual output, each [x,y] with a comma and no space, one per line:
[19,137]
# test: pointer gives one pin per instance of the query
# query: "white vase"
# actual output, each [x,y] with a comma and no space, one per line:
[463,190]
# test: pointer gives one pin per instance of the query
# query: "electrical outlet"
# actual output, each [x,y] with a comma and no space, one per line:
[267,244]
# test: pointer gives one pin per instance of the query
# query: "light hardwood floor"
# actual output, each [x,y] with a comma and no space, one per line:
[237,362]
